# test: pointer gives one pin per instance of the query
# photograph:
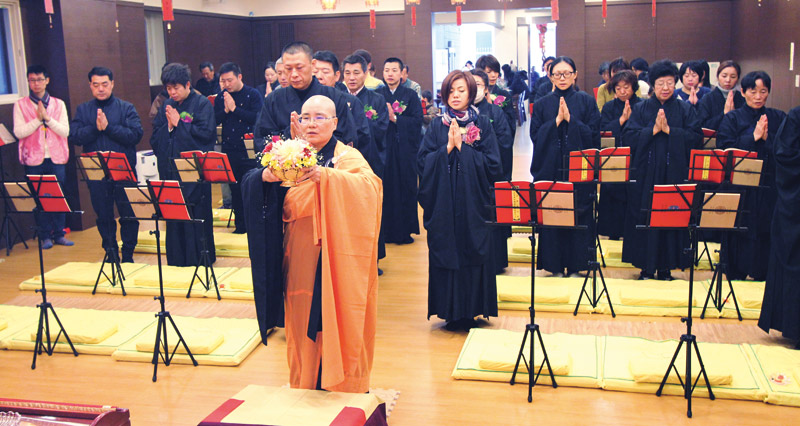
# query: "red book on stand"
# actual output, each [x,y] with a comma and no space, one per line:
[118,166]
[670,208]
[49,192]
[612,159]
[551,198]
[170,199]
[710,165]
[505,197]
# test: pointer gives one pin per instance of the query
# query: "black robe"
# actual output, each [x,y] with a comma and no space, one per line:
[711,107]
[748,252]
[508,109]
[196,131]
[613,197]
[402,142]
[657,160]
[377,128]
[543,87]
[455,192]
[363,142]
[275,116]
[505,144]
[780,309]
[565,248]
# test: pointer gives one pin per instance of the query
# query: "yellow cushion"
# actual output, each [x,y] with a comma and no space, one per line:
[503,357]
[230,241]
[651,367]
[178,277]
[3,324]
[200,341]
[520,245]
[79,330]
[518,289]
[779,370]
[646,296]
[240,280]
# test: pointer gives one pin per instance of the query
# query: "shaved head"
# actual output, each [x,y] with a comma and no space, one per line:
[319,103]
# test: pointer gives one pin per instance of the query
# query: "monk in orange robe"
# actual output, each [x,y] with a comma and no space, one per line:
[329,272]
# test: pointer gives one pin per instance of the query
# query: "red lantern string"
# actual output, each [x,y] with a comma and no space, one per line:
[654,9]
[413,16]
[372,19]
[166,10]
[554,9]
[605,11]
[458,15]
[48,9]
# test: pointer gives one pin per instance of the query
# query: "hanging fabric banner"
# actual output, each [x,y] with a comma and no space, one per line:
[605,11]
[48,7]
[458,15]
[166,10]
[413,16]
[372,19]
[554,9]
[654,9]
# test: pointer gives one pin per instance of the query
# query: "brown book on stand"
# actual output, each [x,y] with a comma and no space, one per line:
[90,163]
[187,169]
[719,210]
[556,207]
[142,205]
[747,172]
[607,140]
[20,196]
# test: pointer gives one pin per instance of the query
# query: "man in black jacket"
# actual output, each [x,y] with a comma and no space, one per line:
[107,123]
[236,109]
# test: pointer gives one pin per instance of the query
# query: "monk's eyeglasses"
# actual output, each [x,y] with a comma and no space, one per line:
[315,119]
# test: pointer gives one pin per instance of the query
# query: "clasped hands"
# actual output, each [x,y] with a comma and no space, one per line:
[563,112]
[762,129]
[102,120]
[41,113]
[453,136]
[230,104]
[661,123]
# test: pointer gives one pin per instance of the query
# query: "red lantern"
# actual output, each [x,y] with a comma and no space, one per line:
[458,4]
[166,10]
[654,9]
[554,9]
[605,11]
[372,19]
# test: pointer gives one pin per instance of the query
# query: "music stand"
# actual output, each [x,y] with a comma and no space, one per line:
[8,220]
[205,168]
[541,213]
[112,168]
[47,196]
[161,200]
[672,207]
[605,166]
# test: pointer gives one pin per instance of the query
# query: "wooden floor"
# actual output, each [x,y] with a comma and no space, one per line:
[413,355]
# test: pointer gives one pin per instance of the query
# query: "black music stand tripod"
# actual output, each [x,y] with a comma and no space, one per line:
[687,338]
[532,329]
[144,202]
[44,343]
[8,220]
[94,168]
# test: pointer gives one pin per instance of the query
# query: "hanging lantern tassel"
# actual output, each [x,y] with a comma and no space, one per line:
[605,11]
[372,21]
[413,16]
[458,15]
[554,9]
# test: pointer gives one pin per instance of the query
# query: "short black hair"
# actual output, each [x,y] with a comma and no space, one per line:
[393,60]
[228,67]
[639,64]
[101,71]
[270,66]
[706,79]
[695,66]
[618,65]
[38,69]
[426,94]
[406,68]
[561,59]
[603,68]
[356,59]
[329,57]
[364,54]
[662,68]
[296,47]
[480,73]
[749,80]
[626,76]
[488,61]
[549,58]
[175,73]
[208,65]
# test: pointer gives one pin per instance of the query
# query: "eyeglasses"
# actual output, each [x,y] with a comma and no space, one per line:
[36,80]
[315,119]
[560,75]
[661,84]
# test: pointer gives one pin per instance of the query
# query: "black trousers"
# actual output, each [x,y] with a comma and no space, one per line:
[104,196]
[240,165]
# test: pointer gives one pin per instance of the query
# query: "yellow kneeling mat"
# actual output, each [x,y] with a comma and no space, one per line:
[778,368]
[647,295]
[176,277]
[200,341]
[3,324]
[520,245]
[79,330]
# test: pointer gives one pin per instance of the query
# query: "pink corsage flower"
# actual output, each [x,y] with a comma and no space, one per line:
[471,133]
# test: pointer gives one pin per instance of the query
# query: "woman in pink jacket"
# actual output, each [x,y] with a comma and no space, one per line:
[42,127]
